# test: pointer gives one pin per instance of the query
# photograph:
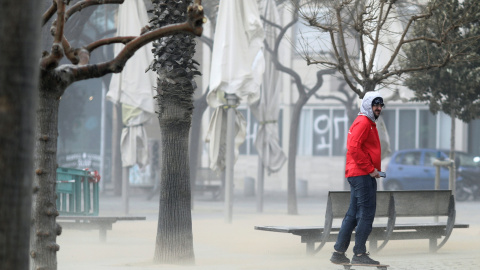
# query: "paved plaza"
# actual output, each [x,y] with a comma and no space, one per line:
[236,245]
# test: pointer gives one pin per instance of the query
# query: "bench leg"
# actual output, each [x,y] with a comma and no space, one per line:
[310,248]
[433,245]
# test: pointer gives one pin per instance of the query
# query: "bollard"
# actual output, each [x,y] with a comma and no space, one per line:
[302,188]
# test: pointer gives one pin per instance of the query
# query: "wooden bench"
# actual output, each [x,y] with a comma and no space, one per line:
[391,205]
[92,223]
[420,204]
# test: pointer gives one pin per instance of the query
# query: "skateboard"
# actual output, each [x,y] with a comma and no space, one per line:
[348,266]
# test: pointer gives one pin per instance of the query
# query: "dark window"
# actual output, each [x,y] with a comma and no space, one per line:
[429,158]
[409,158]
[389,119]
[427,130]
[406,132]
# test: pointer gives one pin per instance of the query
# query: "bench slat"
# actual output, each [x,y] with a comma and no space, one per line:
[391,204]
[101,223]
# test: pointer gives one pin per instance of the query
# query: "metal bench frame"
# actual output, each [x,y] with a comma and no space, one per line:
[92,223]
[391,205]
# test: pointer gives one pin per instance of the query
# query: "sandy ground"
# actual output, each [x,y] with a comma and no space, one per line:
[220,245]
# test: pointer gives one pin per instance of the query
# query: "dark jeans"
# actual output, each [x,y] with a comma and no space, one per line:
[360,214]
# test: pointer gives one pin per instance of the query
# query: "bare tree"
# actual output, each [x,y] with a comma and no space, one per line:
[366,38]
[304,94]
[54,79]
[359,33]
[18,83]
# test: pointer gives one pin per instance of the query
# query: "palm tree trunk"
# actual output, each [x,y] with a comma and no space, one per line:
[174,242]
[175,69]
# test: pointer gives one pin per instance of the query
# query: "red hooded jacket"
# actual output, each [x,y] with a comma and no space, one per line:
[363,148]
[363,144]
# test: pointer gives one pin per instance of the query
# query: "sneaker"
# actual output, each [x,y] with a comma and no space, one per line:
[363,259]
[339,258]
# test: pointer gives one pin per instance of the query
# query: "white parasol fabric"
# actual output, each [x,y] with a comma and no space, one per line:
[133,87]
[134,140]
[237,68]
[266,110]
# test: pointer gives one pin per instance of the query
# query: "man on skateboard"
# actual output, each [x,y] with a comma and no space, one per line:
[362,166]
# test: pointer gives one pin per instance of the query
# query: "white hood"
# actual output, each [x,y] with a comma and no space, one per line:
[366,108]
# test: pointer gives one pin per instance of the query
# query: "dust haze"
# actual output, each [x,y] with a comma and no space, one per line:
[219,245]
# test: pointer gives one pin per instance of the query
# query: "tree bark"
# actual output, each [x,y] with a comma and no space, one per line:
[175,68]
[452,176]
[19,54]
[292,207]
[55,78]
[174,243]
[44,230]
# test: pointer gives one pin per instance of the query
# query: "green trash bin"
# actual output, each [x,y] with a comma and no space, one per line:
[77,192]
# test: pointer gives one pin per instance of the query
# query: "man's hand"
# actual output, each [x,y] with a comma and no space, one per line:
[375,174]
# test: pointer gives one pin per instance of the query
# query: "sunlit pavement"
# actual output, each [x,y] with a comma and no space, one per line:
[236,245]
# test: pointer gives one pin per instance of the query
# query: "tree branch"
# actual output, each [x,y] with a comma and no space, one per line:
[344,46]
[445,61]
[57,51]
[279,27]
[194,22]
[376,41]
[86,3]
[49,13]
[319,83]
[320,62]
[106,41]
[331,97]
[69,52]
[400,43]
[278,65]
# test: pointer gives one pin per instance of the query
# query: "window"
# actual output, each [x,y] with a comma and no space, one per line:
[389,119]
[248,147]
[429,158]
[409,158]
[427,130]
[322,132]
[473,135]
[407,130]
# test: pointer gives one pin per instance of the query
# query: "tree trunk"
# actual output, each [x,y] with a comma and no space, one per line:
[174,242]
[452,177]
[44,230]
[19,54]
[292,156]
[175,69]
